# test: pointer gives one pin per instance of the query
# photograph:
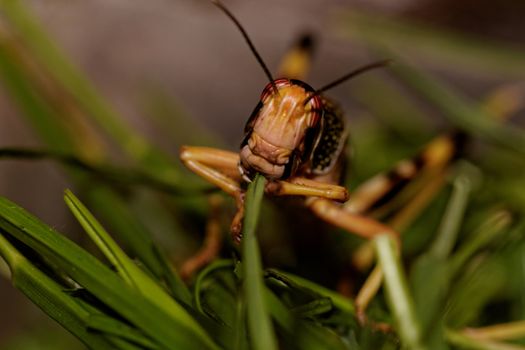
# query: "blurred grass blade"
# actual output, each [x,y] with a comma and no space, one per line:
[397,110]
[453,217]
[168,117]
[41,116]
[99,280]
[430,275]
[464,341]
[30,32]
[262,336]
[110,173]
[50,296]
[84,96]
[126,268]
[301,334]
[412,38]
[459,110]
[400,301]
[488,232]
[314,308]
[338,300]
[474,291]
[502,331]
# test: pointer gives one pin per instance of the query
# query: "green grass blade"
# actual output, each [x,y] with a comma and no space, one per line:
[301,334]
[50,296]
[198,287]
[489,231]
[338,300]
[100,280]
[30,32]
[126,268]
[106,172]
[397,111]
[459,110]
[38,112]
[84,95]
[137,238]
[449,227]
[463,341]
[412,38]
[117,258]
[430,277]
[400,301]
[262,336]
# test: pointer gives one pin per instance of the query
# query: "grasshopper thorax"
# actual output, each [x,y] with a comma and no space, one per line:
[282,130]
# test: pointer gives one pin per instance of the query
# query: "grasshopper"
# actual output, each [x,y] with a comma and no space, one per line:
[296,137]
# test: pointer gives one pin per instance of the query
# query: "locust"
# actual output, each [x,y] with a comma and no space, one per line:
[297,138]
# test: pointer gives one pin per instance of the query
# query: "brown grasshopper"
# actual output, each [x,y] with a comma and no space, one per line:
[296,137]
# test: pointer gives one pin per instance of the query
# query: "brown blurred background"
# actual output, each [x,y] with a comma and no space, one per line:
[193,52]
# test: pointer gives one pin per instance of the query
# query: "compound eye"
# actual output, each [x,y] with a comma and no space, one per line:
[316,108]
[316,103]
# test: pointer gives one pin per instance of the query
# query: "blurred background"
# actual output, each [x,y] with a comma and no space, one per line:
[149,58]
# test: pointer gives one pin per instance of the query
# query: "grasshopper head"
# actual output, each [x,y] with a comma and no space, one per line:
[282,130]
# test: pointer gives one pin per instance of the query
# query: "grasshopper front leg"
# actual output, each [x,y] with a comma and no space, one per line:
[220,168]
[216,166]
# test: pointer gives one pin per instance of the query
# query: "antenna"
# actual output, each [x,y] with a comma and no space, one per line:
[221,6]
[350,75]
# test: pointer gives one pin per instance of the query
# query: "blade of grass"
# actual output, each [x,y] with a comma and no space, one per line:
[55,63]
[301,334]
[338,300]
[487,232]
[463,341]
[100,280]
[400,301]
[197,289]
[168,116]
[459,110]
[41,116]
[430,275]
[110,173]
[397,111]
[503,331]
[449,227]
[262,336]
[137,238]
[50,296]
[126,268]
[466,53]
[31,34]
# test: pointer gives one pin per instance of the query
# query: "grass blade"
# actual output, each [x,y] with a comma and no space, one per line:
[137,238]
[399,298]
[126,268]
[338,300]
[262,336]
[99,280]
[460,111]
[410,38]
[50,296]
